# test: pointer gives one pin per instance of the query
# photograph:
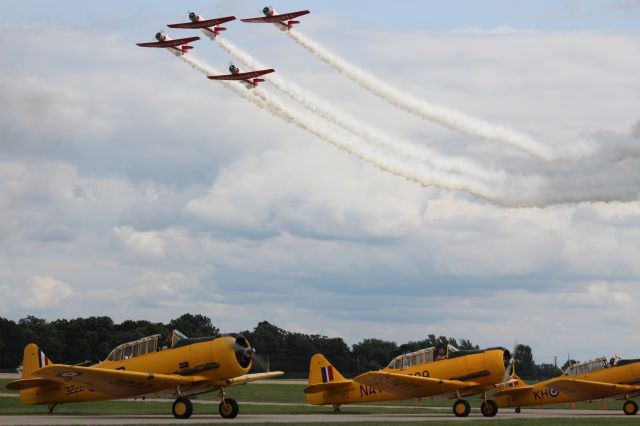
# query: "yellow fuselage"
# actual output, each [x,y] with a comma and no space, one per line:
[214,359]
[485,368]
[546,393]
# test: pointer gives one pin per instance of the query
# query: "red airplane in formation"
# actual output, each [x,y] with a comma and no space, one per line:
[282,21]
[198,22]
[248,78]
[164,41]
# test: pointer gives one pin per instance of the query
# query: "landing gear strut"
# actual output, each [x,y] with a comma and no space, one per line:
[488,408]
[228,407]
[51,407]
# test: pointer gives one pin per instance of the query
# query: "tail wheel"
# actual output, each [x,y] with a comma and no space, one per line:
[489,408]
[182,408]
[630,408]
[228,408]
[461,408]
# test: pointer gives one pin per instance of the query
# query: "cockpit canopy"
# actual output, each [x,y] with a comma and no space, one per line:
[586,367]
[421,356]
[144,346]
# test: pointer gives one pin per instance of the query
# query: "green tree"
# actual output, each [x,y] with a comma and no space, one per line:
[525,366]
[194,325]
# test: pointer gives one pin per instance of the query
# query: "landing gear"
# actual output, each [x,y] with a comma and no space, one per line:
[630,407]
[461,408]
[51,407]
[336,408]
[228,408]
[489,408]
[517,410]
[182,408]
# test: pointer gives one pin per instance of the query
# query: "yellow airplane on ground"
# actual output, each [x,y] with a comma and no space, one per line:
[414,375]
[143,368]
[589,380]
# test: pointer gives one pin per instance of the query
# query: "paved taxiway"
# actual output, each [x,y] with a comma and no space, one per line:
[296,418]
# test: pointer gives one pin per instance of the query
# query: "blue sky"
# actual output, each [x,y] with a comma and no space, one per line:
[137,188]
[612,15]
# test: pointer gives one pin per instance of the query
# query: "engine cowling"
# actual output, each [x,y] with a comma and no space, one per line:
[233,69]
[194,17]
[268,11]
[161,36]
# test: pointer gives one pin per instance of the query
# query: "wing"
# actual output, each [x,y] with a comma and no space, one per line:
[241,76]
[169,43]
[119,383]
[408,386]
[277,18]
[240,380]
[587,389]
[203,24]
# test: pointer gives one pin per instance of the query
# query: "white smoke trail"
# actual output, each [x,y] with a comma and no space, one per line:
[621,182]
[454,120]
[359,129]
[387,161]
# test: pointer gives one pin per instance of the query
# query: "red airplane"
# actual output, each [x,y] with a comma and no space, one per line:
[282,21]
[164,41]
[198,22]
[246,77]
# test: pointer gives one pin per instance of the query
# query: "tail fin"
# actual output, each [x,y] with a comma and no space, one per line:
[321,371]
[33,359]
[325,383]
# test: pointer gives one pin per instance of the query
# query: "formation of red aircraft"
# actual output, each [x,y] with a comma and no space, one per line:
[284,21]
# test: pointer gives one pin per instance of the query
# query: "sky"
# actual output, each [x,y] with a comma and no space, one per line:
[134,187]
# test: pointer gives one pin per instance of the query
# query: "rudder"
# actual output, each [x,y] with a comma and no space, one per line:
[322,371]
[33,359]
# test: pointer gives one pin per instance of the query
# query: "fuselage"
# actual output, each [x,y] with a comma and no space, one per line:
[482,367]
[215,359]
[546,392]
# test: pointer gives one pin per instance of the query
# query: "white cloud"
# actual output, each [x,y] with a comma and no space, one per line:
[45,293]
[141,243]
[139,179]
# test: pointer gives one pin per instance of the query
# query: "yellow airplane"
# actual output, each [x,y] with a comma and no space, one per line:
[143,368]
[414,375]
[589,380]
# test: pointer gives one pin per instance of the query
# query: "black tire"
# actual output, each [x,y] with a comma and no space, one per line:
[182,408]
[517,410]
[489,408]
[461,408]
[630,407]
[228,408]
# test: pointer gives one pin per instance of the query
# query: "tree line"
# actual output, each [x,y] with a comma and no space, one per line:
[91,339]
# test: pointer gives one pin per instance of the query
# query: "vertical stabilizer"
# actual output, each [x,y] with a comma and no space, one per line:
[33,359]
[322,371]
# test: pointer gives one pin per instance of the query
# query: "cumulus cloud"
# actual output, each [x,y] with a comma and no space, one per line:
[43,292]
[140,243]
[170,191]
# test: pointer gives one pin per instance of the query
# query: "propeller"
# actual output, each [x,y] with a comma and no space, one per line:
[509,363]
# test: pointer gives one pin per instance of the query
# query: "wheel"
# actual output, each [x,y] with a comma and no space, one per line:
[517,410]
[461,408]
[630,408]
[228,408]
[182,408]
[489,408]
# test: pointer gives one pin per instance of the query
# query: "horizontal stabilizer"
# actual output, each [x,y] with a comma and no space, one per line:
[331,386]
[22,384]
